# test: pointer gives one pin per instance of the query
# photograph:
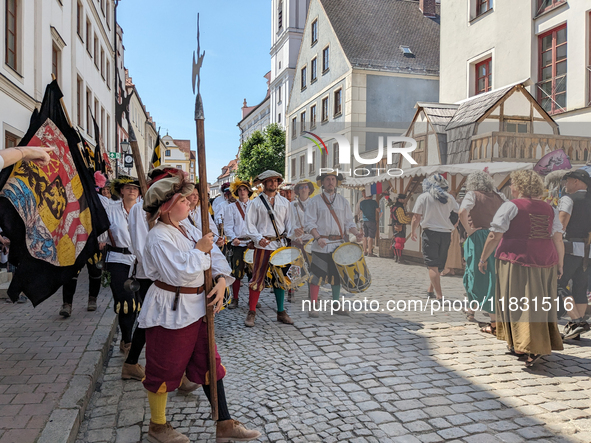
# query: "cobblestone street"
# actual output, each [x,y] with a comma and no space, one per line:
[371,377]
[48,364]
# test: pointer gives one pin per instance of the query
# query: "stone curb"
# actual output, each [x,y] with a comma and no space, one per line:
[64,422]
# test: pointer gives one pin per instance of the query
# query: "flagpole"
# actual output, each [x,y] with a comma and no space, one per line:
[202,187]
[137,159]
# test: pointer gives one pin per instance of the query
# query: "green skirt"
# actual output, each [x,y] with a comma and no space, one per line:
[479,286]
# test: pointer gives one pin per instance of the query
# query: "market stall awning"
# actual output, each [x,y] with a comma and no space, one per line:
[463,169]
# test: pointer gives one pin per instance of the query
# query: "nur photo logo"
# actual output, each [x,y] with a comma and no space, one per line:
[394,145]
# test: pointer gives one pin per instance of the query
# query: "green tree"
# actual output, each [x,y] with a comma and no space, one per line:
[262,151]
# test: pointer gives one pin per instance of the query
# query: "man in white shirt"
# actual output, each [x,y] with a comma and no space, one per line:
[120,259]
[574,212]
[235,228]
[267,224]
[432,210]
[220,202]
[329,232]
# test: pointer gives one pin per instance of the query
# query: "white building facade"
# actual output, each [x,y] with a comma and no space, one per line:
[287,28]
[73,40]
[357,87]
[143,127]
[489,45]
[255,118]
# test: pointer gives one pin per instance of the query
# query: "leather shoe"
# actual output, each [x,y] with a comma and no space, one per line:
[233,430]
[250,319]
[284,318]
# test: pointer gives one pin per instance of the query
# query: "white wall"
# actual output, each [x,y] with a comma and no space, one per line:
[21,91]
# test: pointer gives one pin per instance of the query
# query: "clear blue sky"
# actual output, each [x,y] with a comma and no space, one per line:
[159,39]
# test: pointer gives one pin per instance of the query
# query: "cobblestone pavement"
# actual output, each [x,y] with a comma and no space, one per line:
[371,377]
[40,354]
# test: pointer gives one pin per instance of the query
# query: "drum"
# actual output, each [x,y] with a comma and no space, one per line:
[289,268]
[308,251]
[249,259]
[353,270]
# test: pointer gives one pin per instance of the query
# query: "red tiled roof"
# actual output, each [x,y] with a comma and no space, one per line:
[184,145]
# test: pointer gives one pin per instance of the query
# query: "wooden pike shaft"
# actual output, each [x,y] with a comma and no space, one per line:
[137,160]
[202,187]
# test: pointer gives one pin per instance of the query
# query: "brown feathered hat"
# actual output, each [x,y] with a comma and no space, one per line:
[167,186]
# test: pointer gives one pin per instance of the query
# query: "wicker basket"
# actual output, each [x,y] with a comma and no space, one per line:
[385,248]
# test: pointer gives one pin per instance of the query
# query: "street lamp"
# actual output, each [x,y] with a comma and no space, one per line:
[124,150]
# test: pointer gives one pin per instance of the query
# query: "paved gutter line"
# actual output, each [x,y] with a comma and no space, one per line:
[65,419]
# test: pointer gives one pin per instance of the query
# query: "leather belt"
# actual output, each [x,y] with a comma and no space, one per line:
[331,237]
[119,250]
[178,290]
[268,237]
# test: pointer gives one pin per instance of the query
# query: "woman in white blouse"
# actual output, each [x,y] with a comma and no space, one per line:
[529,262]
[176,256]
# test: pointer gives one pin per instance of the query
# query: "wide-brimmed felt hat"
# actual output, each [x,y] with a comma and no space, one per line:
[237,184]
[121,181]
[322,176]
[302,183]
[263,176]
[164,191]
[579,174]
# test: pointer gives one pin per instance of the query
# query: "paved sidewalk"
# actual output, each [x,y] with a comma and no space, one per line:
[371,377]
[48,365]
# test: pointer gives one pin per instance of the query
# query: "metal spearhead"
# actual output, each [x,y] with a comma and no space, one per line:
[199,114]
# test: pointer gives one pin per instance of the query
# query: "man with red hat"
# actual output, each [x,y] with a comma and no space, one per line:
[267,224]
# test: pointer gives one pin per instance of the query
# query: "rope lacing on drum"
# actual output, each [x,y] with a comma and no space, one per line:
[538,227]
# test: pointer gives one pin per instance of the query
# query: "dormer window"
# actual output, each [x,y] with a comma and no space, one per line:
[406,50]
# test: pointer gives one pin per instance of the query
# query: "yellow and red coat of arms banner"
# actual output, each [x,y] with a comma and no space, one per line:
[51,201]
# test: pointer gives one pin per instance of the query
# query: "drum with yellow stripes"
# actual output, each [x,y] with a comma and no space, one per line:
[353,270]
[288,267]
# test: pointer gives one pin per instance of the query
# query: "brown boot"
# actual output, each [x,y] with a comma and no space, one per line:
[91,304]
[165,434]
[187,385]
[124,347]
[66,310]
[284,318]
[232,430]
[132,372]
[233,304]
[250,319]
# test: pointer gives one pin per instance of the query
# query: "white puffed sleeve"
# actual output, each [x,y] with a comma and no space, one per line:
[502,219]
[164,261]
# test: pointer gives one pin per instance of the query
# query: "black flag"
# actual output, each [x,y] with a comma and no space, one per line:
[99,163]
[51,214]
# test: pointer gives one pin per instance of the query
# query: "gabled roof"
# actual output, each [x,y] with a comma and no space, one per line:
[227,170]
[183,145]
[372,31]
[439,114]
[473,109]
